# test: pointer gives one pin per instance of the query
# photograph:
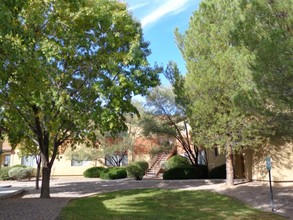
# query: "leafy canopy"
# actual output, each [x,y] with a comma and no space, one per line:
[69,69]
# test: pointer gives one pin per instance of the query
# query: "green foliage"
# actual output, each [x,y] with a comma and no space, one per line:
[222,89]
[187,172]
[4,173]
[164,148]
[167,115]
[93,172]
[19,173]
[221,72]
[143,164]
[177,161]
[218,172]
[69,70]
[115,148]
[83,153]
[18,165]
[31,172]
[137,169]
[113,173]
[266,31]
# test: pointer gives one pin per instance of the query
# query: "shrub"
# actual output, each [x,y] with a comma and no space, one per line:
[93,172]
[4,173]
[18,165]
[137,169]
[113,173]
[144,165]
[176,161]
[18,173]
[204,171]
[187,172]
[31,172]
[218,172]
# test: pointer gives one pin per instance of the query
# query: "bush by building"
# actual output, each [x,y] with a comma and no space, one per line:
[18,173]
[144,165]
[218,172]
[113,173]
[187,172]
[176,161]
[137,169]
[4,173]
[31,172]
[93,172]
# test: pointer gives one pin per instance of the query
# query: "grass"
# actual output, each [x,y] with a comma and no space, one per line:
[161,204]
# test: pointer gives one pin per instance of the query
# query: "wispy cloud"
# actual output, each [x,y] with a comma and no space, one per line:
[138,6]
[170,6]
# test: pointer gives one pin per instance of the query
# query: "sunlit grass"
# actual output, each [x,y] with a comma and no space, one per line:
[161,204]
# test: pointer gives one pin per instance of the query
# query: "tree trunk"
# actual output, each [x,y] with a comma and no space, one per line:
[229,166]
[46,173]
[45,189]
[38,174]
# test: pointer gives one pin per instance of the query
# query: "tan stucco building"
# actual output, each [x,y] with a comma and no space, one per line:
[249,164]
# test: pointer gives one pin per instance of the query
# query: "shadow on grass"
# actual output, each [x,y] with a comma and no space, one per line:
[161,204]
[87,188]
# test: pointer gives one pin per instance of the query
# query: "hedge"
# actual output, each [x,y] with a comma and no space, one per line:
[93,172]
[187,172]
[176,161]
[113,173]
[137,169]
[144,165]
[18,173]
[218,172]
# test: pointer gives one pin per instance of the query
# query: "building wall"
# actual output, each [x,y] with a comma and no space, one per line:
[281,161]
[64,167]
[249,164]
[215,159]
[6,152]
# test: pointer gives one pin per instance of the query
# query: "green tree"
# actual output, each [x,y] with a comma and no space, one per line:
[266,30]
[116,149]
[165,117]
[217,72]
[69,68]
[84,152]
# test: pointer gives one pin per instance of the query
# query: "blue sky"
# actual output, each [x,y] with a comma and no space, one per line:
[159,18]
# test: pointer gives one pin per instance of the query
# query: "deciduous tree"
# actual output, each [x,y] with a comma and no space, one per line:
[69,68]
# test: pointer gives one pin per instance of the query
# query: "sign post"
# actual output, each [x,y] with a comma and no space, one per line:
[269,167]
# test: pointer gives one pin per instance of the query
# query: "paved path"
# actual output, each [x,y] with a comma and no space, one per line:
[30,207]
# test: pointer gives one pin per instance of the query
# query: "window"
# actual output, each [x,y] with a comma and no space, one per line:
[6,160]
[201,158]
[116,160]
[29,161]
[79,163]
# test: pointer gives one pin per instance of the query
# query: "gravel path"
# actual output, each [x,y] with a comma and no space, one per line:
[30,207]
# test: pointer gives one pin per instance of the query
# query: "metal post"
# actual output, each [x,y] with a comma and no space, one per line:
[271,190]
[269,167]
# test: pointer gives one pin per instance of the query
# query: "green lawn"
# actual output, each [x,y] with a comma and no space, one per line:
[161,204]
